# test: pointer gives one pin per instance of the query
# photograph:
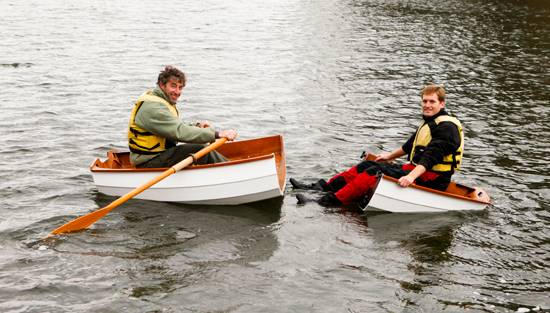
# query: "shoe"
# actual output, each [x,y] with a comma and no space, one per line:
[302,199]
[319,185]
[329,200]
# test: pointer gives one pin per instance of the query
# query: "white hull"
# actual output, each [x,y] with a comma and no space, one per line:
[389,196]
[230,184]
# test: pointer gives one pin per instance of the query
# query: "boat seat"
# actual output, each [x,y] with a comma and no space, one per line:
[119,159]
[114,160]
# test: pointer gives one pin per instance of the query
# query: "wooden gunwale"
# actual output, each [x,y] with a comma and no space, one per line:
[96,167]
[452,185]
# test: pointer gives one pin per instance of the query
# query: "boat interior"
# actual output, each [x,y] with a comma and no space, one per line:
[236,151]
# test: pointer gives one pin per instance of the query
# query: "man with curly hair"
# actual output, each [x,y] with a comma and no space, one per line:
[155,127]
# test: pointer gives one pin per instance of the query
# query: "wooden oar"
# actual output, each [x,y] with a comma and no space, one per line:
[88,219]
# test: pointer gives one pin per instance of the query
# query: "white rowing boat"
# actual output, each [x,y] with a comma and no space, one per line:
[255,171]
[389,196]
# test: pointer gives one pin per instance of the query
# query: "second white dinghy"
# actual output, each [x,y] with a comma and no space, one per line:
[389,196]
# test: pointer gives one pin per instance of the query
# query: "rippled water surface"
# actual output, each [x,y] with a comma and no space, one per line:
[335,78]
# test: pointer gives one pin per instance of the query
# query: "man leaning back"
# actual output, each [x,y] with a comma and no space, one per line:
[434,154]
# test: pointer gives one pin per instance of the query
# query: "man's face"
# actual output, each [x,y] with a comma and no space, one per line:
[172,89]
[431,105]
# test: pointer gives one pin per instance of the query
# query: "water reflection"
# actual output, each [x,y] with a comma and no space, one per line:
[424,241]
[426,236]
[159,229]
[161,246]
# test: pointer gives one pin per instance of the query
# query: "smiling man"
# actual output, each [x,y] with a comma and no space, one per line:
[434,154]
[155,127]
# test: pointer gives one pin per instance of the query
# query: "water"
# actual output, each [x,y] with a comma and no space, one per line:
[335,78]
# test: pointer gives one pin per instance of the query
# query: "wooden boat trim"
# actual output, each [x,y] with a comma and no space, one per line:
[95,167]
[475,191]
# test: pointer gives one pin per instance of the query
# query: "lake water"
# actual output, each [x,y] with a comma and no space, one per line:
[334,78]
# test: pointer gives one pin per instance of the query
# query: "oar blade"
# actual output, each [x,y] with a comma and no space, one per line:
[82,222]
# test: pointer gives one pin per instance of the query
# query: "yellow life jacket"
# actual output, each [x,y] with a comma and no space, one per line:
[142,141]
[451,162]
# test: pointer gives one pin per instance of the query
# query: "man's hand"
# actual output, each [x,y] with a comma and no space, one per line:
[230,134]
[383,157]
[405,181]
[203,124]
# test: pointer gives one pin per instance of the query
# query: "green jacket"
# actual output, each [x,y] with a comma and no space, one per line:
[156,118]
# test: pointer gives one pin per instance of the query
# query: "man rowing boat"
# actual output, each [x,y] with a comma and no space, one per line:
[434,153]
[155,127]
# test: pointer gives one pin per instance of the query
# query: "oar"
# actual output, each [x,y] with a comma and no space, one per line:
[88,219]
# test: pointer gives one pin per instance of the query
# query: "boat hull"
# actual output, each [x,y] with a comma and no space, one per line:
[389,196]
[244,179]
